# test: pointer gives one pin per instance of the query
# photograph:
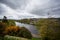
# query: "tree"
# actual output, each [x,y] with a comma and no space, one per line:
[4,19]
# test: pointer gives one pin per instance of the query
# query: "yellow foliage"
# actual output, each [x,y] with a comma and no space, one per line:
[11,28]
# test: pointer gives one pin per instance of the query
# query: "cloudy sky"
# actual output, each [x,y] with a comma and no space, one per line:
[19,9]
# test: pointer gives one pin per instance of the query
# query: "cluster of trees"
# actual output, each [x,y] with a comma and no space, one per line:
[49,28]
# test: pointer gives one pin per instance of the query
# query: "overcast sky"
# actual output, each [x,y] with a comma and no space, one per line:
[19,9]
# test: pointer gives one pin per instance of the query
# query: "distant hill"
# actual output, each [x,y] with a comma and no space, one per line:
[34,20]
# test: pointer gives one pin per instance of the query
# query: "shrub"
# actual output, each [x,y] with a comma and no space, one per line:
[11,30]
[11,23]
[25,33]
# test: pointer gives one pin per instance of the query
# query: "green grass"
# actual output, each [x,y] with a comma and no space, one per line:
[18,38]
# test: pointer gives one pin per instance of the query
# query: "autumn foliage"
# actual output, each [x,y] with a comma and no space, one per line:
[11,30]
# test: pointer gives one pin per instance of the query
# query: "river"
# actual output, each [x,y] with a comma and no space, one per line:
[31,28]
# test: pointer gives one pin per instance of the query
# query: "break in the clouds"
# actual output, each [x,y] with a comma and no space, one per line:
[19,9]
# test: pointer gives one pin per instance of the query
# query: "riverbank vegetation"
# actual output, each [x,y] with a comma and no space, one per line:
[49,28]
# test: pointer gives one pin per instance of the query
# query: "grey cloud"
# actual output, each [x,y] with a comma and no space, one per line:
[14,3]
[52,7]
[5,10]
[2,10]
[49,6]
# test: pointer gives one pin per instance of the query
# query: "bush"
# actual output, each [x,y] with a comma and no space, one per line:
[11,30]
[25,33]
[11,23]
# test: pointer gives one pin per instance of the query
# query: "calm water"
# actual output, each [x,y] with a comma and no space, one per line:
[31,28]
